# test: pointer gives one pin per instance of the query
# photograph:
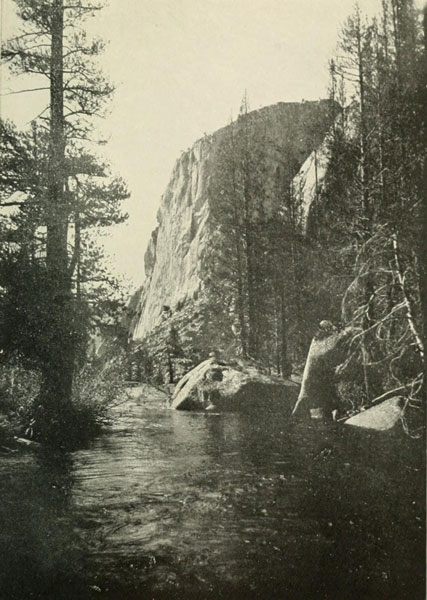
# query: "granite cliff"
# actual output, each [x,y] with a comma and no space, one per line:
[178,259]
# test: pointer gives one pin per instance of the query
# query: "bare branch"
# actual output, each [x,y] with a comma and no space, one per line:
[25,91]
[407,300]
[12,204]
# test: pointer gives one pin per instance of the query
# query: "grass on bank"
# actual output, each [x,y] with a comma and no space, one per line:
[96,388]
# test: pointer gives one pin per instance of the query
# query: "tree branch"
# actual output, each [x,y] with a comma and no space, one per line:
[25,91]
[407,301]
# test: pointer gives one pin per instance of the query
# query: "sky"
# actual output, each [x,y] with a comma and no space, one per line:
[181,68]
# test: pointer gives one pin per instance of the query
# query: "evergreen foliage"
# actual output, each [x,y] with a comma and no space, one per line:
[55,286]
[258,284]
[371,208]
[360,259]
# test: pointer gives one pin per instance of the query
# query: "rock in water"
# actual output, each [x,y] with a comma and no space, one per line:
[213,385]
[381,417]
[318,397]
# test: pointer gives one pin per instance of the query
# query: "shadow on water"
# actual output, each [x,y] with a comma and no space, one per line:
[178,505]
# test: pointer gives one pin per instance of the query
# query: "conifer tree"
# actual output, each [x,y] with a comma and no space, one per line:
[72,189]
[380,203]
[238,196]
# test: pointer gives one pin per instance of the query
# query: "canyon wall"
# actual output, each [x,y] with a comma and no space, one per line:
[177,280]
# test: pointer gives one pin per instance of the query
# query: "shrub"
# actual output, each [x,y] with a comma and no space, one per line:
[96,388]
[19,387]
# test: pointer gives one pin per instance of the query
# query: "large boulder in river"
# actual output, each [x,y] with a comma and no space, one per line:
[318,397]
[214,385]
[381,417]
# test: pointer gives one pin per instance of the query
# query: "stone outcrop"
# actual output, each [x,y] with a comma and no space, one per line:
[381,417]
[178,254]
[216,386]
[317,397]
[308,181]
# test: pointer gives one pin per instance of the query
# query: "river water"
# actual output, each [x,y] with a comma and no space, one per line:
[167,504]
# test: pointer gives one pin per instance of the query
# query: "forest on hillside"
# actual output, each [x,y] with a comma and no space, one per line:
[359,259]
[356,257]
[161,454]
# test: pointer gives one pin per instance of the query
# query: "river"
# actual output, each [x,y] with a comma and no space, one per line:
[167,504]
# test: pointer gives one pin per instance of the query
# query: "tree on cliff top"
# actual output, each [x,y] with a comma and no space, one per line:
[72,190]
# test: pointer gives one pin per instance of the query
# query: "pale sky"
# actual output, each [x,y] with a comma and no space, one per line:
[181,68]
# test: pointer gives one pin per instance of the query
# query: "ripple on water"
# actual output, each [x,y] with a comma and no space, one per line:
[215,504]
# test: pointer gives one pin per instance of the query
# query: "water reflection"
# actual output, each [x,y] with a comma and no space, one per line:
[34,512]
[179,505]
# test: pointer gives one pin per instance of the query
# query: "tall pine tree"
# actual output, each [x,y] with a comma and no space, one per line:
[72,190]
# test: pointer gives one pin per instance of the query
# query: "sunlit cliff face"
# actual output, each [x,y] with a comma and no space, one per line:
[291,138]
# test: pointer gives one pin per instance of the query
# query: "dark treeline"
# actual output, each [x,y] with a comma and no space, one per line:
[259,264]
[275,268]
[55,288]
[359,258]
[374,197]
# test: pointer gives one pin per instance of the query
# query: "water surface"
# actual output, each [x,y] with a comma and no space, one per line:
[168,504]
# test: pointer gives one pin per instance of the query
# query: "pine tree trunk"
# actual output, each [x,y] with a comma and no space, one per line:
[285,366]
[277,331]
[240,302]
[252,308]
[423,244]
[170,367]
[241,313]
[366,224]
[59,364]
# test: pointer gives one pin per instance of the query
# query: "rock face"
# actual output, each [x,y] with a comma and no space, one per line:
[216,386]
[317,397]
[178,254]
[310,177]
[381,417]
[174,253]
